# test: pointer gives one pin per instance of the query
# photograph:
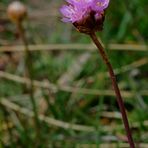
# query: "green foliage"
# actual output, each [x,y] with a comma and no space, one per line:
[126,22]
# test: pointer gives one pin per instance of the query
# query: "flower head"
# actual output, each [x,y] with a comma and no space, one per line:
[16,11]
[75,10]
[85,14]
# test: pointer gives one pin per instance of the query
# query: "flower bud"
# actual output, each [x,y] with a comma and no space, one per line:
[17,11]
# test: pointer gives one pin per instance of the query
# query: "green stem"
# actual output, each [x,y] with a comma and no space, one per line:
[29,68]
[116,88]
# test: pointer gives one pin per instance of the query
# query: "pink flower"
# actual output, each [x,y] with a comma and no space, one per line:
[99,5]
[72,13]
[77,10]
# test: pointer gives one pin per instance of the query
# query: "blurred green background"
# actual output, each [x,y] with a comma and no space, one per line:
[76,105]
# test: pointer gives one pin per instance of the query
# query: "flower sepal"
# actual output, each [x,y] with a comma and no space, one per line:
[91,23]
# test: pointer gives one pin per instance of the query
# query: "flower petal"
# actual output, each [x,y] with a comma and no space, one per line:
[100,5]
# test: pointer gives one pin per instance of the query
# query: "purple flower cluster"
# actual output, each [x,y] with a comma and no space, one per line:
[77,10]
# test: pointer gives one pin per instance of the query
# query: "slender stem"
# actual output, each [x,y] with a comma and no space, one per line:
[116,88]
[29,68]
